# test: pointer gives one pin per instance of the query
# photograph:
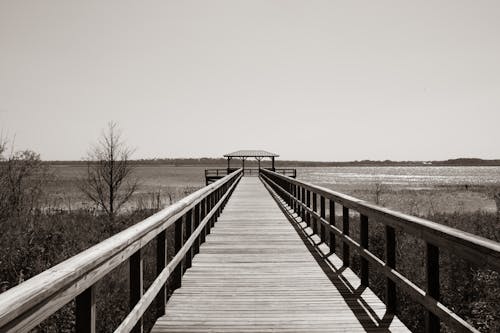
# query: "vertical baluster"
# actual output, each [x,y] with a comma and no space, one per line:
[86,311]
[303,200]
[308,204]
[315,210]
[332,222]
[322,213]
[345,231]
[390,259]
[161,262]
[189,231]
[295,196]
[204,211]
[196,216]
[178,243]
[364,272]
[208,226]
[432,324]
[288,197]
[136,284]
[216,200]
[299,208]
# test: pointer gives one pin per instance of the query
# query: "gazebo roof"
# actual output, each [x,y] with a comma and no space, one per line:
[251,153]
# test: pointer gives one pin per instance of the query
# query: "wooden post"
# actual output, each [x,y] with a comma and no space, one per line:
[228,165]
[432,324]
[308,204]
[390,259]
[197,219]
[294,202]
[86,311]
[272,164]
[178,243]
[315,209]
[322,213]
[189,230]
[332,222]
[303,200]
[161,262]
[364,272]
[204,212]
[345,231]
[136,285]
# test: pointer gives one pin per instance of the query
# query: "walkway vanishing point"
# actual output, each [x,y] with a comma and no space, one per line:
[253,255]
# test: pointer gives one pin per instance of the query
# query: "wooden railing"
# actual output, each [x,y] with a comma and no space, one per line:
[28,304]
[220,172]
[302,198]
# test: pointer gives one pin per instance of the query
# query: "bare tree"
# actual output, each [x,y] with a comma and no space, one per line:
[109,182]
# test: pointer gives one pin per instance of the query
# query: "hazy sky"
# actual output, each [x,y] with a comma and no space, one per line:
[318,80]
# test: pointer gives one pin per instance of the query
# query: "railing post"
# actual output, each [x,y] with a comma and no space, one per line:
[308,204]
[161,262]
[390,259]
[332,222]
[295,196]
[432,324]
[136,284]
[322,213]
[86,311]
[189,230]
[303,200]
[345,231]
[178,243]
[315,210]
[197,219]
[205,207]
[364,272]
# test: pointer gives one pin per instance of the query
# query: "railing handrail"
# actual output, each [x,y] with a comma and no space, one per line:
[59,283]
[482,251]
[471,246]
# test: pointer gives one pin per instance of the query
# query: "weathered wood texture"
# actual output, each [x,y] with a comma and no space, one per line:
[254,273]
[481,251]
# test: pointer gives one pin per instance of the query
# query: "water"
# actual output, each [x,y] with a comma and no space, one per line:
[407,177]
[413,190]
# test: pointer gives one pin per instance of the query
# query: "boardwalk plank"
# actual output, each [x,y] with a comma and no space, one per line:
[256,274]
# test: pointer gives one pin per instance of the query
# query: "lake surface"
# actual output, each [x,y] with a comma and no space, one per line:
[403,188]
[413,190]
[409,177]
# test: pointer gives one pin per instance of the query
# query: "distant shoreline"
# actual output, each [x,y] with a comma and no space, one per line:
[219,162]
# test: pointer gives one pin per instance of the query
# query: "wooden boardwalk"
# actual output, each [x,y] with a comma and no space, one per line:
[257,272]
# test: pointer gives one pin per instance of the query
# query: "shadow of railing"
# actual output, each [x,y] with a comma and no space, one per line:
[370,311]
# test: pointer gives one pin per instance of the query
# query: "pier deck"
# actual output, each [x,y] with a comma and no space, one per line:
[255,273]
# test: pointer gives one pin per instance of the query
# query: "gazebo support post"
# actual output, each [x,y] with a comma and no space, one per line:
[272,164]
[228,165]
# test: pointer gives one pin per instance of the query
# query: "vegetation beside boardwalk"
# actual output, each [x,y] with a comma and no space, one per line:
[35,237]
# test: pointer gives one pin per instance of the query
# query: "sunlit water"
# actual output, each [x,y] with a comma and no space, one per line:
[410,177]
[413,190]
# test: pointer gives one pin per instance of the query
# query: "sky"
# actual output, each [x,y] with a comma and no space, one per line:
[309,80]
